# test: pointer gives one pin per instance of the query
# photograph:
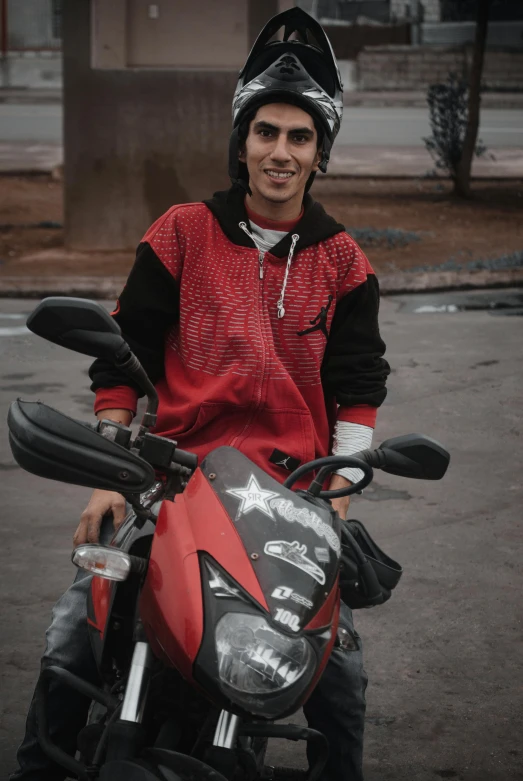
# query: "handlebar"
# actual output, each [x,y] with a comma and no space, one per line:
[327,465]
[132,366]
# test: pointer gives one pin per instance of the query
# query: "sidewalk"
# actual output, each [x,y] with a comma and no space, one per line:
[403,99]
[396,98]
[28,157]
[446,235]
[347,160]
[405,162]
[401,162]
[26,95]
[60,272]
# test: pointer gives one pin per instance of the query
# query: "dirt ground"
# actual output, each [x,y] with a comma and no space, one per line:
[401,224]
[27,201]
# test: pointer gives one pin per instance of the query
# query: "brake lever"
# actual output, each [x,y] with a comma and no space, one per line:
[142,504]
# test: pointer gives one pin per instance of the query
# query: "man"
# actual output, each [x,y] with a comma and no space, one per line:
[255,314]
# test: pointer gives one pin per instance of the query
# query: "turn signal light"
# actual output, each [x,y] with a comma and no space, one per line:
[109,563]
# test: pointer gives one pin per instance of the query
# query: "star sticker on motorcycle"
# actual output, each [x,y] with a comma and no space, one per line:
[253,497]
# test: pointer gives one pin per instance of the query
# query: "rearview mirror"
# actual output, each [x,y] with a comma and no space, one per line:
[414,455]
[80,325]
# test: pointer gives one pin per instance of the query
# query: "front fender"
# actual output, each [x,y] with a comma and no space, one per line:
[127,770]
[158,764]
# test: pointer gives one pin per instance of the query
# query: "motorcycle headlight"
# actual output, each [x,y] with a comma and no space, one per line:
[256,659]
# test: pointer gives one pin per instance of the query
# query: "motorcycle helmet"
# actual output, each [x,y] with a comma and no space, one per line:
[301,69]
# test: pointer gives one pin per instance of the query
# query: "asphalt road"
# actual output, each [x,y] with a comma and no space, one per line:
[445,655]
[372,126]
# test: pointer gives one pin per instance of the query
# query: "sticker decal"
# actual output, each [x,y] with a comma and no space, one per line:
[322,554]
[294,553]
[287,618]
[311,520]
[284,592]
[253,497]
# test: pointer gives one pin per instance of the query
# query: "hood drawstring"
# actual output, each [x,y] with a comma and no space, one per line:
[245,229]
[295,239]
[281,308]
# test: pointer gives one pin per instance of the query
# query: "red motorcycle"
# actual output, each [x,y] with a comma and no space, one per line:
[214,610]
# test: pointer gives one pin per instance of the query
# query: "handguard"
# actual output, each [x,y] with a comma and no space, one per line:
[367,574]
[49,444]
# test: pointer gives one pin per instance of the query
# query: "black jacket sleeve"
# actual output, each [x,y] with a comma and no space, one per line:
[354,370]
[148,306]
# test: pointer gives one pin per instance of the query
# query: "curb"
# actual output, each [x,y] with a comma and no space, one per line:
[379,176]
[390,284]
[440,281]
[14,172]
[40,287]
[518,177]
[351,98]
[330,176]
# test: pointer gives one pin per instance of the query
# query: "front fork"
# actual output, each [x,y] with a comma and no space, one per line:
[125,741]
[135,697]
[137,684]
[226,730]
[126,736]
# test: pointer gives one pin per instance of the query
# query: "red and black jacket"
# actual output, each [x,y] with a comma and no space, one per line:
[227,369]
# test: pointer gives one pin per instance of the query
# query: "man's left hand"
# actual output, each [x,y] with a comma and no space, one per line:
[340,505]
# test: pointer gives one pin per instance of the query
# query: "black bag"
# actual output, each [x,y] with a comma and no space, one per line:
[367,575]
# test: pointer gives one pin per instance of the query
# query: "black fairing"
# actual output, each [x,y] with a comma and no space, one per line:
[158,764]
[294,545]
[276,705]
[52,445]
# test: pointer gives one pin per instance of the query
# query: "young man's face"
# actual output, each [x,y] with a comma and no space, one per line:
[281,151]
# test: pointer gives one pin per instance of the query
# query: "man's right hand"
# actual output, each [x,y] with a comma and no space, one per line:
[101,503]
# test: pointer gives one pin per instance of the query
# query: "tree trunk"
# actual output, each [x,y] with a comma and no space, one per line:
[462,180]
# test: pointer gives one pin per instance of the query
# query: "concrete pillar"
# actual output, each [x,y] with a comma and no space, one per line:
[147,108]
[136,141]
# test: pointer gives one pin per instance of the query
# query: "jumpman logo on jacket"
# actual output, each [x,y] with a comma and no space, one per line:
[320,321]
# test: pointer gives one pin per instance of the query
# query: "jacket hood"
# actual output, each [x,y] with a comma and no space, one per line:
[315,225]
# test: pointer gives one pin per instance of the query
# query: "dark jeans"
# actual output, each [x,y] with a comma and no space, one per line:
[336,707]
[67,645]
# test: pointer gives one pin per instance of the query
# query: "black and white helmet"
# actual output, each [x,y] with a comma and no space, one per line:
[301,70]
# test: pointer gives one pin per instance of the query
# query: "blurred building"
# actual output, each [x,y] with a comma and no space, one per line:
[147,108]
[31,42]
[442,12]
[409,44]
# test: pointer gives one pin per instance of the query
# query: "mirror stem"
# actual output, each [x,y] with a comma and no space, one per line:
[132,366]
